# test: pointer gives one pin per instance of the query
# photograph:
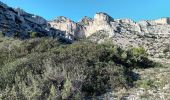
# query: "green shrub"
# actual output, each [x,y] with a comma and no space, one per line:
[43,68]
[33,34]
[146,84]
[140,51]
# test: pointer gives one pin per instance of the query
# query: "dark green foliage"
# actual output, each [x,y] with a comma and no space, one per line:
[167,49]
[43,68]
[137,57]
[33,34]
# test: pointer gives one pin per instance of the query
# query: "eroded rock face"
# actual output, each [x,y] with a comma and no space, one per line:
[102,17]
[101,22]
[16,22]
[87,26]
[153,35]
[70,27]
[85,21]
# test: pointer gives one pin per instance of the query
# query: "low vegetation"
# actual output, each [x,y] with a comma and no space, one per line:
[48,69]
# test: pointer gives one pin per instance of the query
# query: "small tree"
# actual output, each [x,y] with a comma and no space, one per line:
[33,34]
[53,93]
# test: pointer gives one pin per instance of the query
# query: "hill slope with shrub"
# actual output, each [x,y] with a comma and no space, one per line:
[46,68]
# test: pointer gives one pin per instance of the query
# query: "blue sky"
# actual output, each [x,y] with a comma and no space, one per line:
[76,9]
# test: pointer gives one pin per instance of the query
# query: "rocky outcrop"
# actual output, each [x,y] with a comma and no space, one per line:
[71,28]
[85,21]
[18,23]
[154,35]
[102,21]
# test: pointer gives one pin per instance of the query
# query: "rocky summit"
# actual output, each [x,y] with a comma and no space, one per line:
[102,21]
[152,34]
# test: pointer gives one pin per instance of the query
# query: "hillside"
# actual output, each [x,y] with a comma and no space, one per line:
[95,58]
[44,68]
[153,35]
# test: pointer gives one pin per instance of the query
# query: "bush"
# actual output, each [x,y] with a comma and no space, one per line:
[33,34]
[44,68]
[140,51]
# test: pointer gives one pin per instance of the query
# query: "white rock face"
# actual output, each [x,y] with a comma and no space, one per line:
[70,27]
[154,35]
[102,17]
[162,21]
[87,26]
[101,22]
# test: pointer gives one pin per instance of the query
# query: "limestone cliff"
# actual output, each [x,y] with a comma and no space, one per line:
[68,26]
[102,21]
[154,35]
